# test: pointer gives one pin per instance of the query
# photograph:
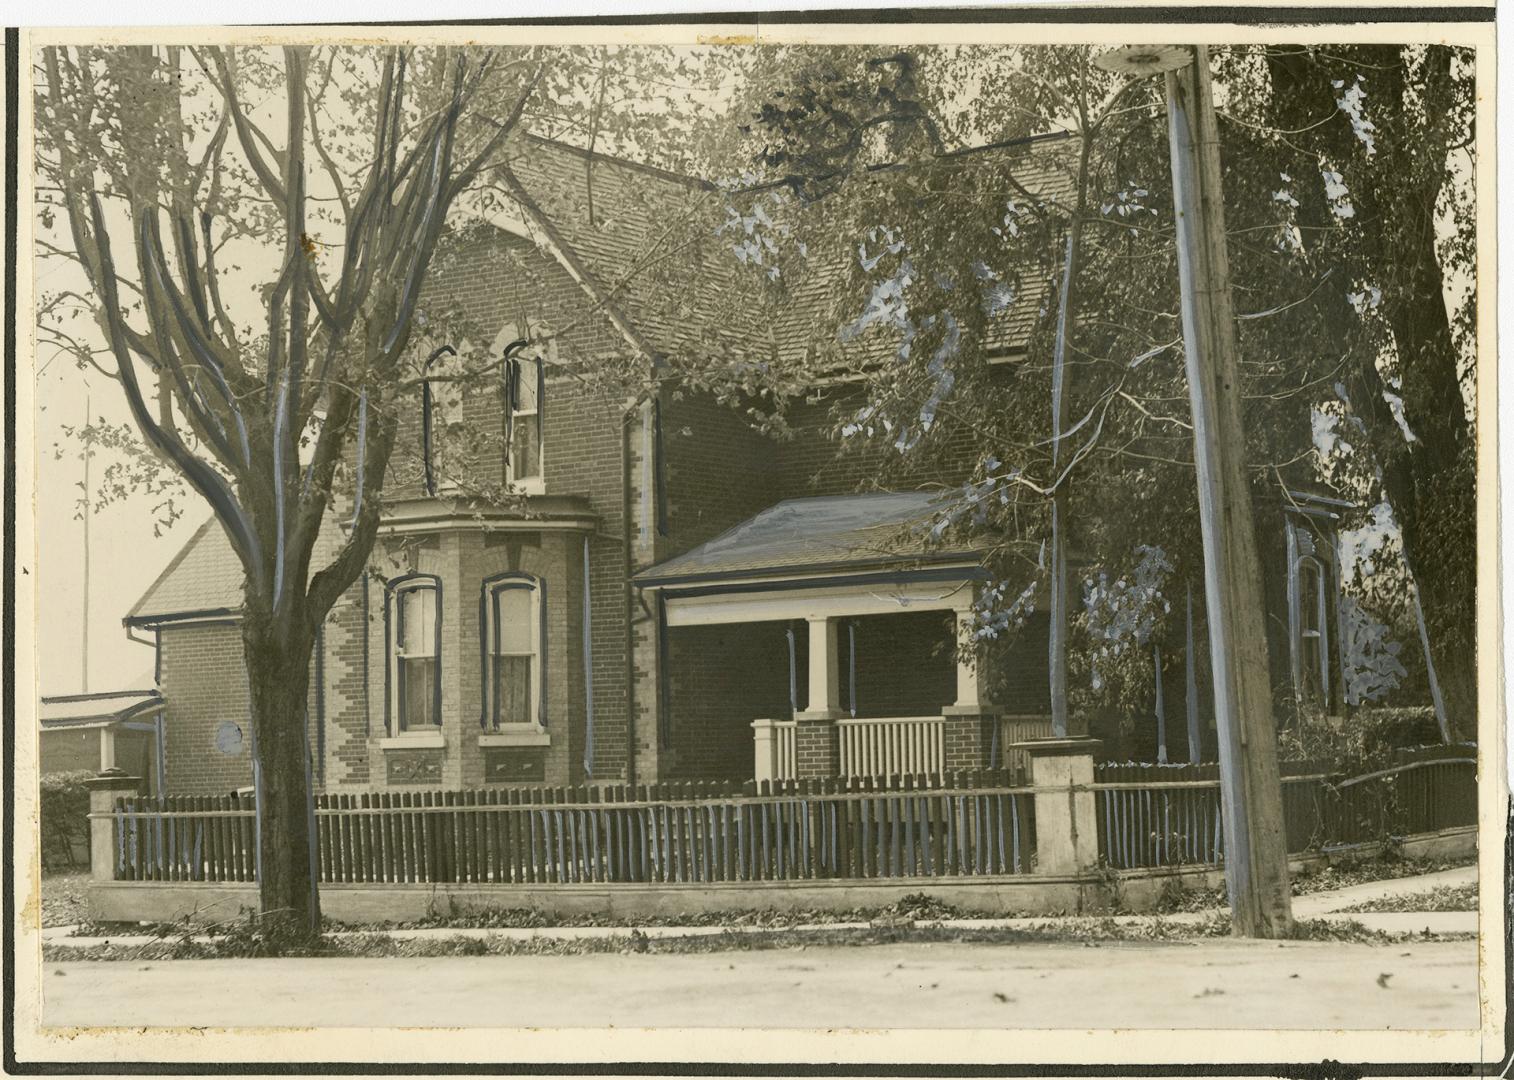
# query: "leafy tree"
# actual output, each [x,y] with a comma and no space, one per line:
[1391,129]
[952,232]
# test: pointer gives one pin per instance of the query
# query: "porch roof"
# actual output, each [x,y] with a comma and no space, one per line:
[93,710]
[826,533]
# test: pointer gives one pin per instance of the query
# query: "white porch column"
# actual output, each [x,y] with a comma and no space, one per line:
[763,764]
[969,663]
[825,677]
[107,748]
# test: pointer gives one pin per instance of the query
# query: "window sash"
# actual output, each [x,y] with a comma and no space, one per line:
[414,661]
[417,692]
[514,673]
[524,389]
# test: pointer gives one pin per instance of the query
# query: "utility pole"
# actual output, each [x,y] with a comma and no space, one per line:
[1256,859]
[84,648]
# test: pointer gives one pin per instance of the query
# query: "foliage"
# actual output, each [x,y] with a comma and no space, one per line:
[1360,742]
[1369,660]
[1440,898]
[64,811]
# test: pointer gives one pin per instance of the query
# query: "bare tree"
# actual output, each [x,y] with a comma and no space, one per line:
[161,164]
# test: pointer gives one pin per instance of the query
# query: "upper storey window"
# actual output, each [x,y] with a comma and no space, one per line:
[525,397]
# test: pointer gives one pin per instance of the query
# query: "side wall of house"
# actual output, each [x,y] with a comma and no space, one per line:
[204,683]
[207,728]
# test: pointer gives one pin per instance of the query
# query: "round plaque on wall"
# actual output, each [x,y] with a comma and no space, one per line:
[229,738]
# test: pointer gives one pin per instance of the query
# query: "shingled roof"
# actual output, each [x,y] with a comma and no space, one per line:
[832,532]
[205,577]
[633,204]
[722,305]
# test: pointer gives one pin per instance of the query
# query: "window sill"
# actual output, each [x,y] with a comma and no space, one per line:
[424,741]
[534,485]
[522,737]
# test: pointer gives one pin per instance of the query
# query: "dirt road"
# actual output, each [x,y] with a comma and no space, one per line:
[1222,983]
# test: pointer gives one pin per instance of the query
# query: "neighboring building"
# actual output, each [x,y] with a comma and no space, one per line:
[95,732]
[677,597]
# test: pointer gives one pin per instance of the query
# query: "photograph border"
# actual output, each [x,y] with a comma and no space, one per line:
[1206,22]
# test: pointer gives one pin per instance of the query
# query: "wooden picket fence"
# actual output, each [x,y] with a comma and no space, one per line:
[1155,823]
[965,824]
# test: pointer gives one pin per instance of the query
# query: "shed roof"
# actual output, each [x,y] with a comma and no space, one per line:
[833,532]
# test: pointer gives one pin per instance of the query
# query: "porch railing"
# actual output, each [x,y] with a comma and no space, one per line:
[892,746]
[1015,728]
[967,824]
[871,746]
[775,756]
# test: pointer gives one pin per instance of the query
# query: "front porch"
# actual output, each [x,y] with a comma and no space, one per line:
[824,638]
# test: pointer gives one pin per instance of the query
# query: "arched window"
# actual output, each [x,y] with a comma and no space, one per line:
[414,619]
[525,399]
[441,407]
[1313,645]
[513,622]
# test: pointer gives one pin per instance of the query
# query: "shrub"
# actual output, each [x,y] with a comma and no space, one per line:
[1363,740]
[65,818]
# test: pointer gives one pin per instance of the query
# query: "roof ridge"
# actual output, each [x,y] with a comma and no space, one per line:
[100,696]
[627,163]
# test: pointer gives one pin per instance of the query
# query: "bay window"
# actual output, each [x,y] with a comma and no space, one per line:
[513,617]
[414,619]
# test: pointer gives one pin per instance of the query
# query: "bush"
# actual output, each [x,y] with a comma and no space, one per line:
[65,818]
[1361,741]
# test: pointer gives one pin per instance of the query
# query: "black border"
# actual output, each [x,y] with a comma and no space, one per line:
[1192,14]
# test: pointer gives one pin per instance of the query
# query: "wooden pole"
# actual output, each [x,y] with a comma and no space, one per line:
[1256,861]
[88,511]
[1191,688]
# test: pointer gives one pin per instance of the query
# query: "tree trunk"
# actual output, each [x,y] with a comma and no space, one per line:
[278,654]
[1062,724]
[1429,483]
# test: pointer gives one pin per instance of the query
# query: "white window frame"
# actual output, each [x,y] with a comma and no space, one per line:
[396,590]
[535,589]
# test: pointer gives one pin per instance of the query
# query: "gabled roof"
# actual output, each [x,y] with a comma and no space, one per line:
[205,578]
[634,205]
[834,532]
[76,710]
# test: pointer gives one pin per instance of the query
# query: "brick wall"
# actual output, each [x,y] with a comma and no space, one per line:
[905,664]
[204,684]
[721,679]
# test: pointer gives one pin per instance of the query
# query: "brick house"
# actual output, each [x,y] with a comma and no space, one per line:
[676,596]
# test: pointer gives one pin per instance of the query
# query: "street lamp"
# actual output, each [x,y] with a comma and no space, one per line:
[1256,859]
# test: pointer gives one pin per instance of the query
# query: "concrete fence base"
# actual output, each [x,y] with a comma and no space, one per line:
[1028,894]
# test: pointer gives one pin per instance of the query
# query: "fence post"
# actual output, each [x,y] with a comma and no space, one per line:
[1061,770]
[104,790]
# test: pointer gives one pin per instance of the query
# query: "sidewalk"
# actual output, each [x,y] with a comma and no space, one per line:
[1324,905]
